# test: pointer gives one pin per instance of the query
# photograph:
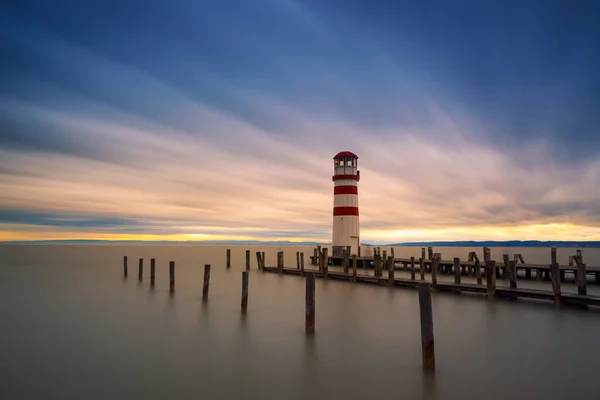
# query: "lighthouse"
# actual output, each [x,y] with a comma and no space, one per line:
[346,229]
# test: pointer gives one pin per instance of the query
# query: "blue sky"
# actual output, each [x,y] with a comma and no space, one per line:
[472,119]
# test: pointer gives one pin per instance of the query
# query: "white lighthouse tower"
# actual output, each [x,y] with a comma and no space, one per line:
[346,229]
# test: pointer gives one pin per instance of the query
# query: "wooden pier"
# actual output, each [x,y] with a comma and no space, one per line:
[489,269]
[469,268]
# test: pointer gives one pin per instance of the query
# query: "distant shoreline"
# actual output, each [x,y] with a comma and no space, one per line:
[508,243]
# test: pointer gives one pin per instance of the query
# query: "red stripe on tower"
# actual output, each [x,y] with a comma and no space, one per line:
[345,211]
[345,190]
[340,177]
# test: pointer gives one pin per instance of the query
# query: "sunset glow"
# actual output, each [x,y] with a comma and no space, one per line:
[195,123]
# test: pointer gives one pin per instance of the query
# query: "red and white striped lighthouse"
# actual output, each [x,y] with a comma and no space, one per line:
[346,229]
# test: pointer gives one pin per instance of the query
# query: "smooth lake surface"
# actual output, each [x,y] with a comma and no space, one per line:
[74,328]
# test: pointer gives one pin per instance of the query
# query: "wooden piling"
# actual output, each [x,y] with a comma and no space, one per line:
[228,258]
[315,257]
[457,270]
[354,268]
[385,260]
[555,276]
[325,262]
[297,260]
[258,260]
[512,274]
[320,260]
[310,303]
[262,259]
[581,278]
[244,291]
[478,272]
[125,266]
[152,271]
[422,265]
[506,261]
[430,252]
[434,271]
[490,275]
[247,260]
[390,267]
[172,276]
[206,282]
[412,268]
[346,259]
[427,341]
[302,263]
[141,269]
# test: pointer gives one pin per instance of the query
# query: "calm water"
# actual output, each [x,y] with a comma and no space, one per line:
[72,327]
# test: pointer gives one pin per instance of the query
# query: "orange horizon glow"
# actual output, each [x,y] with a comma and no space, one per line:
[542,232]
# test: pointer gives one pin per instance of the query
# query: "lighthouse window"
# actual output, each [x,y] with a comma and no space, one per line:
[337,162]
[341,161]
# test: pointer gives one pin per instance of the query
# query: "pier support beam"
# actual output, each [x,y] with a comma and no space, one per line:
[206,283]
[427,340]
[310,303]
[244,292]
[152,271]
[490,275]
[172,276]
[555,276]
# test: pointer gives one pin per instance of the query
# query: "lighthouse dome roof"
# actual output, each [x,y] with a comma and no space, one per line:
[345,154]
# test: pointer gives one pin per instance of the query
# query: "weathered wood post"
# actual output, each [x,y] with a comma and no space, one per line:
[172,276]
[297,260]
[258,260]
[244,291]
[346,259]
[125,266]
[434,271]
[354,268]
[555,276]
[320,260]
[385,260]
[141,269]
[390,267]
[310,303]
[228,258]
[427,342]
[581,276]
[325,262]
[478,272]
[412,268]
[422,267]
[512,274]
[315,257]
[206,282]
[457,270]
[152,271]
[430,252]
[506,261]
[490,275]
[247,260]
[302,263]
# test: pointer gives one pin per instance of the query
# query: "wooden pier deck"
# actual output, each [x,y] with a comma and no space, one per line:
[542,271]
[499,292]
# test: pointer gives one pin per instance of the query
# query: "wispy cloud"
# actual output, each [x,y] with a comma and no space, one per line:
[137,131]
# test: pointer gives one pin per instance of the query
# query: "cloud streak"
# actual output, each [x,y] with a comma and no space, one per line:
[155,129]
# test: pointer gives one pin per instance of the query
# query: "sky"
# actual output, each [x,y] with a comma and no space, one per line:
[219,119]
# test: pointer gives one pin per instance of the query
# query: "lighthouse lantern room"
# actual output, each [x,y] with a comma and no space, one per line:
[346,229]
